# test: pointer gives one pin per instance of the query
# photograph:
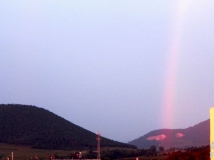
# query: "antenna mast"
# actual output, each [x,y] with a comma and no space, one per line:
[98,145]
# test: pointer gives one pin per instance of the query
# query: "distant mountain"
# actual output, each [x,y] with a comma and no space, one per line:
[192,136]
[40,128]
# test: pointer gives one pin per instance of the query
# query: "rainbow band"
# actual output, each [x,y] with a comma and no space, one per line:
[179,10]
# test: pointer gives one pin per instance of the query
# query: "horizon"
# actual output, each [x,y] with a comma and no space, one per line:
[121,68]
[98,131]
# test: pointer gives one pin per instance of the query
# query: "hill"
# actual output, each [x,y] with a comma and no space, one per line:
[40,128]
[192,136]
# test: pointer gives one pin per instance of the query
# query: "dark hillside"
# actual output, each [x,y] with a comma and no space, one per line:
[40,128]
[196,135]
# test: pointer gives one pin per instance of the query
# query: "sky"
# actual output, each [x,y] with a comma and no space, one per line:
[121,68]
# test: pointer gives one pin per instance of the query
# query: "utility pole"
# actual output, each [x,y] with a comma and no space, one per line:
[98,145]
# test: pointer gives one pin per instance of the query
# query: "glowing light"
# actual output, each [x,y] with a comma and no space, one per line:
[179,135]
[174,49]
[157,138]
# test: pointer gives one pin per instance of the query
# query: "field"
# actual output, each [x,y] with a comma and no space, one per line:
[28,153]
[25,152]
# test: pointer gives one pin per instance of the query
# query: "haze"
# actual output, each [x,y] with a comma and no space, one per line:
[121,68]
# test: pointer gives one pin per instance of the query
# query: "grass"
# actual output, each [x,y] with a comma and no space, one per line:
[26,152]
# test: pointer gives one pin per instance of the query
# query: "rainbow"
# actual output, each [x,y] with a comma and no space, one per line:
[178,19]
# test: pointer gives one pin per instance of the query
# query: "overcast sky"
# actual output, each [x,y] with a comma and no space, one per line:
[122,68]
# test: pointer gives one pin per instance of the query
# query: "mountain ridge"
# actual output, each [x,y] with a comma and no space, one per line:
[40,128]
[191,136]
